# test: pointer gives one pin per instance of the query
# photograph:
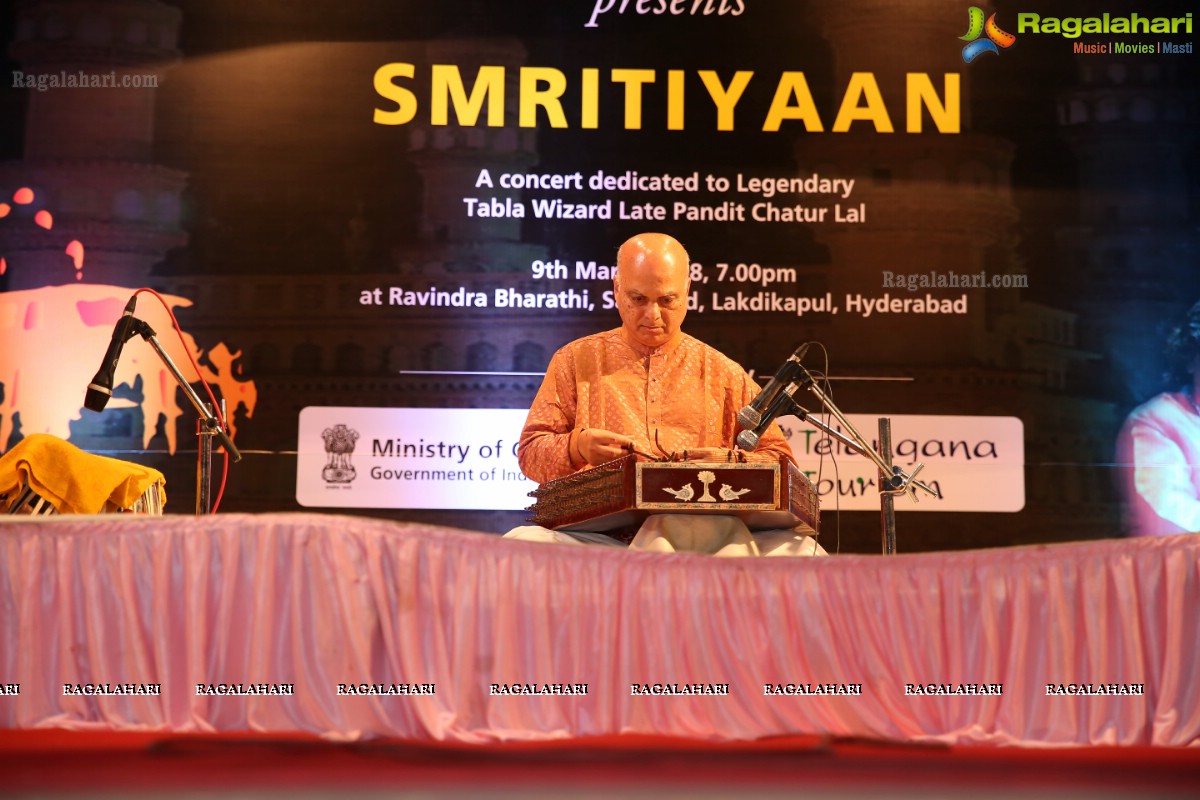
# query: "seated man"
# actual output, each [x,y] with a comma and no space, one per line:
[649,388]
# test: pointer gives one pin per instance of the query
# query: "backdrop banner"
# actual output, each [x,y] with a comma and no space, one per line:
[981,215]
[458,458]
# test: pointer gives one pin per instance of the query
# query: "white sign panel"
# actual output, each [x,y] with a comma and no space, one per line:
[448,458]
[466,458]
[974,463]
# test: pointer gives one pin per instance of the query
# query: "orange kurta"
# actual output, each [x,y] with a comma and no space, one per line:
[686,393]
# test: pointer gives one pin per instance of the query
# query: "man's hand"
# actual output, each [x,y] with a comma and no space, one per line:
[597,446]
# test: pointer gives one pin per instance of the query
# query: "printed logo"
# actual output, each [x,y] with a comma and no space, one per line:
[339,446]
[976,27]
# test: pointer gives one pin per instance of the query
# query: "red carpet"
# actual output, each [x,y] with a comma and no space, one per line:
[117,764]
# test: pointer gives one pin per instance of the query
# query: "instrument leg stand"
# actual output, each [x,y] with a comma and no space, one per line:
[204,455]
[887,500]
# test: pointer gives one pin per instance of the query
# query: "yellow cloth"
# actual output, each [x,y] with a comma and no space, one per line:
[73,481]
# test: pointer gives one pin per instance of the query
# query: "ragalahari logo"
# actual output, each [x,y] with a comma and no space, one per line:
[976,28]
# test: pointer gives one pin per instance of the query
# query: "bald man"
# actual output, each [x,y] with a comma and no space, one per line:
[647,387]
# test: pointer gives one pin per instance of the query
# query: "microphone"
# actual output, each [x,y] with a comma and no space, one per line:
[748,439]
[783,383]
[100,389]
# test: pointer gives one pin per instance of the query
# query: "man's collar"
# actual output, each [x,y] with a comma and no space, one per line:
[649,352]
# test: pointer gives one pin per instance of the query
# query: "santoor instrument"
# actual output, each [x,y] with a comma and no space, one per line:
[615,498]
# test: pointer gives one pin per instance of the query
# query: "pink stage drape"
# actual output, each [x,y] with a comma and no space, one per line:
[318,600]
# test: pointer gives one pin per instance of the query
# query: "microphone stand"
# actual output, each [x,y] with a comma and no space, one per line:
[893,481]
[208,425]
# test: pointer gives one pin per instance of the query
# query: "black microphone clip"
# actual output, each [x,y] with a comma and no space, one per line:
[788,379]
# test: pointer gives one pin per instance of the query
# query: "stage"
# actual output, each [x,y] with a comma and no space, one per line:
[351,629]
[54,763]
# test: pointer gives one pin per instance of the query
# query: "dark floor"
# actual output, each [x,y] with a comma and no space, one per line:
[61,764]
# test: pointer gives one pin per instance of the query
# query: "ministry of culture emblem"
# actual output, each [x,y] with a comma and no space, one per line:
[339,445]
[991,43]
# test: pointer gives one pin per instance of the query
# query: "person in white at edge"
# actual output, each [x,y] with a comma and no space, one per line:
[1161,441]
